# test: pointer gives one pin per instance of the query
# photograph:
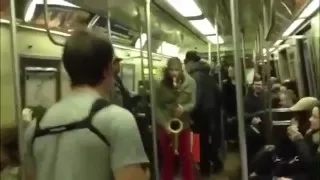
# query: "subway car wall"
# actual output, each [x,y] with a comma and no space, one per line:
[35,44]
[290,60]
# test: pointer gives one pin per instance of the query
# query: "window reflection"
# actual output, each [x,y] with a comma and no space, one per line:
[61,18]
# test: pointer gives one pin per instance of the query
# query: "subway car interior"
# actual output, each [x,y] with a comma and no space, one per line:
[263,57]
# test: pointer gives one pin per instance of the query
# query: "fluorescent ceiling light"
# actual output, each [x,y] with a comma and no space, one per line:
[32,7]
[187,8]
[310,9]
[277,43]
[142,39]
[204,26]
[293,27]
[215,40]
[168,49]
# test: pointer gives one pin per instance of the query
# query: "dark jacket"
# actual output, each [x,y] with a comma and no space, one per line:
[208,95]
[309,155]
[206,113]
[229,98]
[120,95]
[253,104]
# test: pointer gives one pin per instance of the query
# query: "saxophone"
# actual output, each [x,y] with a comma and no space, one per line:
[175,124]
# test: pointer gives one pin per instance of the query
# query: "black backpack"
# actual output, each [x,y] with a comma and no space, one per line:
[86,123]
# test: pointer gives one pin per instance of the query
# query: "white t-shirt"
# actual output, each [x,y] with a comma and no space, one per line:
[81,154]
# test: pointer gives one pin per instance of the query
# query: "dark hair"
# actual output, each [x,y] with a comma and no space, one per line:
[167,80]
[291,84]
[86,56]
[192,56]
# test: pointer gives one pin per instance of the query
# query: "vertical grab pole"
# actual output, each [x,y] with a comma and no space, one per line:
[152,90]
[218,47]
[223,144]
[16,79]
[238,69]
[244,57]
[268,120]
[209,55]
[212,73]
[142,56]
[108,22]
[269,125]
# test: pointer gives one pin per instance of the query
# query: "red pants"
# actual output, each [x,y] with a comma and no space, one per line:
[185,155]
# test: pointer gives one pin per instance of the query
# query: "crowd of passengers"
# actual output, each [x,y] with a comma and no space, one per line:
[296,157]
[190,92]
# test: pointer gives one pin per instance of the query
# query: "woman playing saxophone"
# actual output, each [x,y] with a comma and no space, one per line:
[175,100]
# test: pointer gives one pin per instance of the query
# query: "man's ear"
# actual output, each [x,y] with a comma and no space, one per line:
[108,71]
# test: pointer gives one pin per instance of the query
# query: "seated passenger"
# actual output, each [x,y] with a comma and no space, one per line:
[176,97]
[287,99]
[308,147]
[82,136]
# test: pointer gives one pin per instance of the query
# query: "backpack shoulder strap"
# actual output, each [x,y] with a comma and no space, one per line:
[98,105]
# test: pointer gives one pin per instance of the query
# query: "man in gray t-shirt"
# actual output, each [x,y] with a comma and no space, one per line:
[80,154]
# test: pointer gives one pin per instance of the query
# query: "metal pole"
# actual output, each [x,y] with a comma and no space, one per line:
[218,48]
[238,70]
[244,57]
[142,57]
[218,64]
[152,90]
[16,79]
[109,22]
[268,124]
[209,55]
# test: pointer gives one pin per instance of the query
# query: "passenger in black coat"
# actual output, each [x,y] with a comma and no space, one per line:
[206,114]
[229,103]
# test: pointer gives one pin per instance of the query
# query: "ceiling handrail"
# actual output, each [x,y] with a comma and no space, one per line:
[46,22]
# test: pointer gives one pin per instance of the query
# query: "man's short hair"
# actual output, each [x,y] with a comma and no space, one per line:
[86,56]
[192,56]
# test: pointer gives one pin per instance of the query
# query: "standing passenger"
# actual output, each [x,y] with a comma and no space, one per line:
[206,113]
[229,99]
[175,99]
[120,95]
[82,136]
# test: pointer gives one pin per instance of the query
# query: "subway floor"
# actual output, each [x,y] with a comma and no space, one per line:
[231,169]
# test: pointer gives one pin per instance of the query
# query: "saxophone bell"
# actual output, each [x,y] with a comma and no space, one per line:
[175,127]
